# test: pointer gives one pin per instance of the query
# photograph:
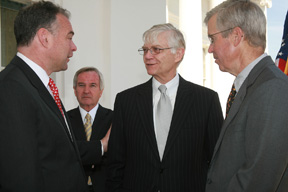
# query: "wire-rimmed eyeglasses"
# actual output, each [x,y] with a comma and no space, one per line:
[210,37]
[153,50]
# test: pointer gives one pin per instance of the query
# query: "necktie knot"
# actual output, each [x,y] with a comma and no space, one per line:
[88,117]
[162,89]
[55,93]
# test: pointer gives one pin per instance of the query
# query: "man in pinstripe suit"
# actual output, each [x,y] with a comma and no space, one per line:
[135,163]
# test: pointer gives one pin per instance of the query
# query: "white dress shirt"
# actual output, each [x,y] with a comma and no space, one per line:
[41,73]
[172,87]
[92,113]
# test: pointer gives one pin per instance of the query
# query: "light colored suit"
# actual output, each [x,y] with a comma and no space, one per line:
[251,153]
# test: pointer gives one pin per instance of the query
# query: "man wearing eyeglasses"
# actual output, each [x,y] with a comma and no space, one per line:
[251,153]
[164,130]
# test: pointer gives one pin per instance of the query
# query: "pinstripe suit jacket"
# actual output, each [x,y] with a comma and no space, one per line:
[134,162]
[251,153]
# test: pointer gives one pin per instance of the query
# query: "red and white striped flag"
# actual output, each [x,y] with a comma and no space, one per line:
[281,59]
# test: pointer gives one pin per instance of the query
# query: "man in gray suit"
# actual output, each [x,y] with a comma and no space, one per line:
[251,152]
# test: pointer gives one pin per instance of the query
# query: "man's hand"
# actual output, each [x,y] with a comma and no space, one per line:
[105,140]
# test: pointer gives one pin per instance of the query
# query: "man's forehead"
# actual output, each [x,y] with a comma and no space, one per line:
[159,41]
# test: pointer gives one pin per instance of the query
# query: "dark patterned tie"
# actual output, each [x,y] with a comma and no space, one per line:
[230,99]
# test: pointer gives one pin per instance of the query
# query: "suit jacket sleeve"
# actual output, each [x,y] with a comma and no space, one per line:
[215,121]
[90,152]
[18,139]
[117,151]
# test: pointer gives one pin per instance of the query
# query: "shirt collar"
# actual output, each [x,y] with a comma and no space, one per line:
[170,85]
[40,72]
[92,112]
[245,72]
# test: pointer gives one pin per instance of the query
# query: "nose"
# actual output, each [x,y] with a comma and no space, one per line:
[210,49]
[73,46]
[148,55]
[86,89]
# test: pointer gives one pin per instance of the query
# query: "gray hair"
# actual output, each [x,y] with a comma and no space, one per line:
[87,69]
[175,38]
[244,14]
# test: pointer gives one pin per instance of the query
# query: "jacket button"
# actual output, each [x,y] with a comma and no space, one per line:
[161,170]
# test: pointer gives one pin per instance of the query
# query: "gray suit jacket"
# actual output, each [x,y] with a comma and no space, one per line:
[251,153]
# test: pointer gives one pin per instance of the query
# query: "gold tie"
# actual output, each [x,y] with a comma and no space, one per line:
[230,99]
[88,126]
[88,131]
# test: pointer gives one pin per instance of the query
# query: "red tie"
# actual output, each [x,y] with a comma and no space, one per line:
[54,90]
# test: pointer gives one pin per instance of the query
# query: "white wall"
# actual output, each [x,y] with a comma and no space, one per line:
[190,23]
[108,34]
[129,20]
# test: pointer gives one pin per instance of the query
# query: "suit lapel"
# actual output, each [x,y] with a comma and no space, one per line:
[232,113]
[42,90]
[249,81]
[183,103]
[97,123]
[77,121]
[145,108]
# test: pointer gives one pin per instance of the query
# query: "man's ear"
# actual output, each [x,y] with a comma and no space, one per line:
[237,35]
[43,36]
[179,54]
[75,91]
[101,92]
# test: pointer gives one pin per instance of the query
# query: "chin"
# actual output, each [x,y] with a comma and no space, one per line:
[65,67]
[150,72]
[222,69]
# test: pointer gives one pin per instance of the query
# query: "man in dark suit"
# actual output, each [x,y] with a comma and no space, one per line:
[88,84]
[251,153]
[37,145]
[147,153]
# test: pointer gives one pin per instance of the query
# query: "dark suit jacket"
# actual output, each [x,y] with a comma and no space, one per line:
[37,152]
[134,162]
[251,153]
[90,151]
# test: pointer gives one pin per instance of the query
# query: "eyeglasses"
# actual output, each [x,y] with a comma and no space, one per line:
[211,36]
[153,50]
